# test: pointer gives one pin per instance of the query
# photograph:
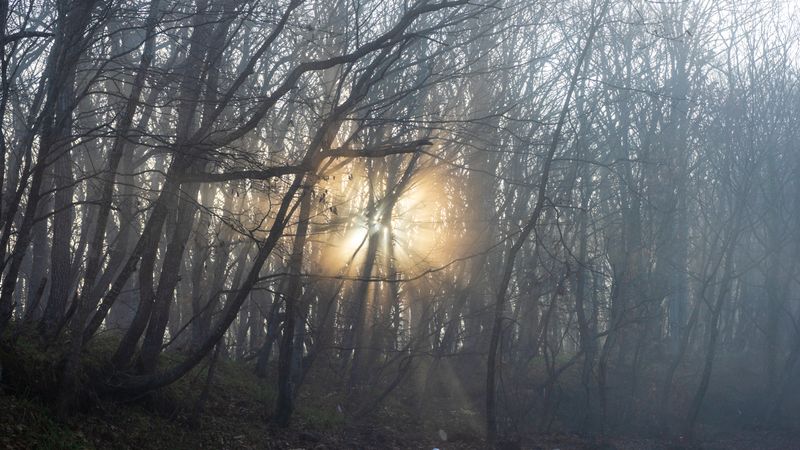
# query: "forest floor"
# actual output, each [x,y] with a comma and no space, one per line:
[236,413]
[29,424]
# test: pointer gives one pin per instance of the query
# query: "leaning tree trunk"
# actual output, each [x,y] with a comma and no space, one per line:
[499,307]
[285,402]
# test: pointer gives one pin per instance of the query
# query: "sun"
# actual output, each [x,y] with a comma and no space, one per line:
[413,235]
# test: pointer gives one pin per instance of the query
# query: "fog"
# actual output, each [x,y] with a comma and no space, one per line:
[410,224]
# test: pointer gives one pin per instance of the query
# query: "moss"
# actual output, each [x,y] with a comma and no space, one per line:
[30,369]
[319,418]
[240,379]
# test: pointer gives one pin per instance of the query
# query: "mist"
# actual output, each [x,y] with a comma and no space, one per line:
[400,224]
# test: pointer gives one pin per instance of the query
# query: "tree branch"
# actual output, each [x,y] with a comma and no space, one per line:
[24,34]
[379,151]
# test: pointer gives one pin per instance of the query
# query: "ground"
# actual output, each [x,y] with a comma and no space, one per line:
[28,424]
[236,415]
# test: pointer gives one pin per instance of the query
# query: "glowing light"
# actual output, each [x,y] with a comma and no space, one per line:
[356,240]
[417,237]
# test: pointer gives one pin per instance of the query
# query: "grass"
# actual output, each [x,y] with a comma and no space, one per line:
[28,424]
